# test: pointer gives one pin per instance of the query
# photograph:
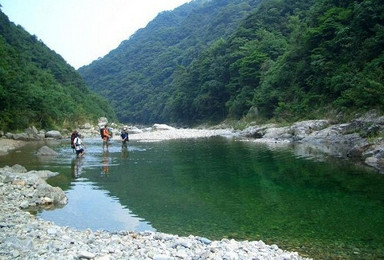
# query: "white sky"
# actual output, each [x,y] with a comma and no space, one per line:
[83,30]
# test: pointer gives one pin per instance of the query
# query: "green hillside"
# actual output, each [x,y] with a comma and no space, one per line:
[207,61]
[37,87]
[137,77]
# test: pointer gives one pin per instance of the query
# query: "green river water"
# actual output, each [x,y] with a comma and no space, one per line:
[219,188]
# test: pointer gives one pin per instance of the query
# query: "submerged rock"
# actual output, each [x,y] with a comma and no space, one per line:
[46,151]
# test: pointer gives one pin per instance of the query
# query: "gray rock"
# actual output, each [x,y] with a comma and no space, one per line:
[86,254]
[46,151]
[204,240]
[53,134]
[278,133]
[56,194]
[9,135]
[302,129]
[44,174]
[18,168]
[32,133]
[255,131]
[21,136]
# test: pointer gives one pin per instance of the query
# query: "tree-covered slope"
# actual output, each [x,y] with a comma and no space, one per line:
[137,76]
[333,59]
[285,59]
[37,87]
[290,59]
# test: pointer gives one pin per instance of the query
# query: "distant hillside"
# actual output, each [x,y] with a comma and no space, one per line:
[137,76]
[37,87]
[207,61]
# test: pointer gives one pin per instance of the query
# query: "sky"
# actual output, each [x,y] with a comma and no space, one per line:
[82,31]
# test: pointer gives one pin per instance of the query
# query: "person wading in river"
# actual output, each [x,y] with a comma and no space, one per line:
[105,135]
[124,138]
[79,146]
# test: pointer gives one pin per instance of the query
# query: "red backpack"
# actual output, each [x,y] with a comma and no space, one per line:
[73,136]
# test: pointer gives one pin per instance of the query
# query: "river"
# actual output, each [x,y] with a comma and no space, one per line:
[219,187]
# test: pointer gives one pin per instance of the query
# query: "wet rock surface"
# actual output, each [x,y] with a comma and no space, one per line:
[361,139]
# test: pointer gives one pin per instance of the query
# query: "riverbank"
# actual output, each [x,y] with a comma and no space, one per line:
[360,140]
[7,145]
[23,236]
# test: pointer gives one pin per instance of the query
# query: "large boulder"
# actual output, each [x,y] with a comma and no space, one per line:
[255,131]
[49,194]
[33,133]
[278,133]
[302,129]
[46,151]
[53,134]
[21,136]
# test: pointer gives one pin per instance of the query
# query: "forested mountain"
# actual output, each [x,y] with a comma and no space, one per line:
[211,60]
[138,76]
[37,86]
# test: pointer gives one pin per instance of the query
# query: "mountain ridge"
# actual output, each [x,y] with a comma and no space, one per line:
[182,45]
[282,60]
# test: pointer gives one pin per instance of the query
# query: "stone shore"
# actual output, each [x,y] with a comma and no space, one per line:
[23,236]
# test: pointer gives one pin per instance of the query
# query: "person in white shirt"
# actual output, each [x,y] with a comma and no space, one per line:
[79,146]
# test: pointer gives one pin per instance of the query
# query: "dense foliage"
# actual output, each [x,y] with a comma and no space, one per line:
[138,76]
[212,60]
[37,87]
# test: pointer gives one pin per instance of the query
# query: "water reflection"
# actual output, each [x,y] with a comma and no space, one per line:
[105,163]
[124,152]
[223,188]
[90,207]
[77,166]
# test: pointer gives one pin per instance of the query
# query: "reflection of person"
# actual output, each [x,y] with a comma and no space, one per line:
[124,138]
[124,152]
[105,167]
[77,165]
[79,146]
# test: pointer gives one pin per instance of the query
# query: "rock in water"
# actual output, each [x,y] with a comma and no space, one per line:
[46,151]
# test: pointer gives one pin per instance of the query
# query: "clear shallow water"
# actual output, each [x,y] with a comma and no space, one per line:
[220,188]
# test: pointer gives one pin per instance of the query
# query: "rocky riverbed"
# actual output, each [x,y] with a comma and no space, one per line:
[23,236]
[360,140]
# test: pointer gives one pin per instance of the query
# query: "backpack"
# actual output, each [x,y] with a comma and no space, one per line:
[73,136]
[102,133]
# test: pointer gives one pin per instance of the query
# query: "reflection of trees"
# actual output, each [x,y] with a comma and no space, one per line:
[219,188]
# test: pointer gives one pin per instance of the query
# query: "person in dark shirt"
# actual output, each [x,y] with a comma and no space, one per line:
[124,137]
